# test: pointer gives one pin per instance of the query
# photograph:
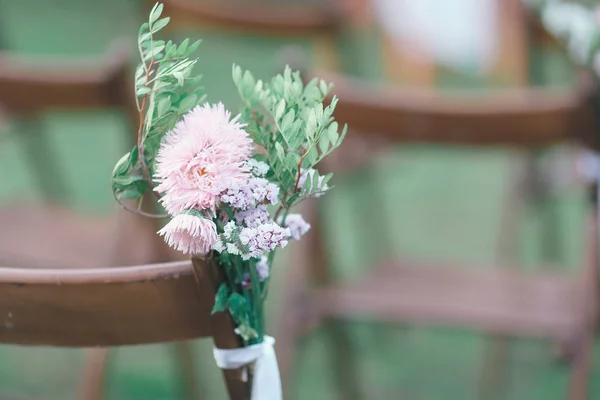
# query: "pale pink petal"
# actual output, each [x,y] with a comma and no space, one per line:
[190,234]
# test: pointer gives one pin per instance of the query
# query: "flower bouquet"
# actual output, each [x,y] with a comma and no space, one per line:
[227,183]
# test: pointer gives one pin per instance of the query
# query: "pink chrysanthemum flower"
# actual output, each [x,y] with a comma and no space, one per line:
[190,234]
[202,156]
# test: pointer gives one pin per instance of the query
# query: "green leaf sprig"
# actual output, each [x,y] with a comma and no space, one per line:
[164,91]
[289,120]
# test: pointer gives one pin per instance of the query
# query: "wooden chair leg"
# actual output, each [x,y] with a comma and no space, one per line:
[344,361]
[292,317]
[288,333]
[184,355]
[496,354]
[584,344]
[492,380]
[94,373]
[538,193]
[296,315]
[581,367]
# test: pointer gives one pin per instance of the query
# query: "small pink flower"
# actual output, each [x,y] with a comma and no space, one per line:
[296,224]
[239,197]
[201,157]
[263,239]
[262,268]
[253,192]
[253,217]
[190,234]
[263,191]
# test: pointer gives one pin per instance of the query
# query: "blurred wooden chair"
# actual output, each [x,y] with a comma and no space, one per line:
[49,235]
[500,301]
[109,307]
[517,33]
[545,303]
[31,87]
[251,35]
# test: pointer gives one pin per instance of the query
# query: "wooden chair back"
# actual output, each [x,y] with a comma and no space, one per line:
[117,306]
[522,118]
[102,306]
[265,19]
[320,21]
[30,85]
[520,115]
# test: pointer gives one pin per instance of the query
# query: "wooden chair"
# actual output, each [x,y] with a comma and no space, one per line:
[102,307]
[48,235]
[30,89]
[502,301]
[423,115]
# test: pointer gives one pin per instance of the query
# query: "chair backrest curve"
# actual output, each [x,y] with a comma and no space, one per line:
[102,307]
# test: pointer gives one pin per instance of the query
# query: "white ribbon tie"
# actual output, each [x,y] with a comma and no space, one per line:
[266,384]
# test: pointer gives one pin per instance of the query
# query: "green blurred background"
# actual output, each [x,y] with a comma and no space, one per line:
[458,189]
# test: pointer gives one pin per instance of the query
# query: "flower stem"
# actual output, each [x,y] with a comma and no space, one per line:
[239,270]
[257,301]
[138,211]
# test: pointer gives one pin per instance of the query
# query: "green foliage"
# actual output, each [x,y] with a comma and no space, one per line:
[289,120]
[221,299]
[241,311]
[239,307]
[164,92]
[127,179]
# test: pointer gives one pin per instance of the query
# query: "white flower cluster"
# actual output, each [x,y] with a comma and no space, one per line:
[250,242]
[262,268]
[253,217]
[255,192]
[258,168]
[252,233]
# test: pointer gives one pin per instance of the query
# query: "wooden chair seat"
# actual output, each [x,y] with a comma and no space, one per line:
[492,300]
